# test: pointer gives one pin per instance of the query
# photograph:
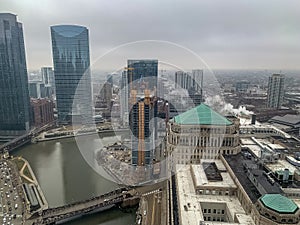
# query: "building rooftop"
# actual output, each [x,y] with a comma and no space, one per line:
[289,119]
[279,203]
[280,165]
[201,115]
[238,164]
[190,204]
[68,30]
[202,179]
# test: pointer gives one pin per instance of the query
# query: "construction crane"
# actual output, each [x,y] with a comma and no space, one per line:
[132,92]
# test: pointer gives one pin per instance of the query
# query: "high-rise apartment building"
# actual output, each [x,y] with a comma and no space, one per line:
[14,96]
[71,60]
[275,91]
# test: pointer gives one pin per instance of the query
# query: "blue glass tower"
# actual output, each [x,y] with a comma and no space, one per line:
[71,60]
[143,70]
[14,96]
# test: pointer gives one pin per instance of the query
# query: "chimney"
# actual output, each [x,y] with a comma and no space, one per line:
[253,119]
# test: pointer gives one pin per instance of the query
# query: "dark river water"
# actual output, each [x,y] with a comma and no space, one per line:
[65,177]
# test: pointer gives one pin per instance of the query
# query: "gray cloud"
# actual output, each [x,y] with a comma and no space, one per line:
[227,34]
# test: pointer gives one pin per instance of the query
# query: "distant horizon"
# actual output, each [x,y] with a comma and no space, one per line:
[218,69]
[226,34]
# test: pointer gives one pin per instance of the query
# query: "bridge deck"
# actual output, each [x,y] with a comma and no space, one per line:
[63,212]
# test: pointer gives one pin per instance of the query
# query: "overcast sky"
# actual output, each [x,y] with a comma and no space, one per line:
[248,34]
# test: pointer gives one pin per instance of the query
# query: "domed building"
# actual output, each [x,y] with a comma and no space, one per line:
[276,209]
[201,133]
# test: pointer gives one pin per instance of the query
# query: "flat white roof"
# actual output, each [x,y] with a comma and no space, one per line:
[281,165]
[255,149]
[247,141]
[193,215]
[276,146]
[201,179]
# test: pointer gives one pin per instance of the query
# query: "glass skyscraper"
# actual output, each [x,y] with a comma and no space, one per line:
[71,60]
[14,96]
[142,71]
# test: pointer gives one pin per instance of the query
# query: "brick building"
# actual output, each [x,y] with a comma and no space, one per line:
[42,111]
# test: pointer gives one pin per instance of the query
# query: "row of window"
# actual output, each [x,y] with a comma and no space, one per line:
[214,211]
[215,192]
[209,218]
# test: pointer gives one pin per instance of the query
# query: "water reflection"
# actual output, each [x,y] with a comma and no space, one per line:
[65,177]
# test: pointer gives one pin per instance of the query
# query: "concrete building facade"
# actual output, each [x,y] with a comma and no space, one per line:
[275,91]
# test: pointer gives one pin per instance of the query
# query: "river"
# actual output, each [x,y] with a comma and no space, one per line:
[65,177]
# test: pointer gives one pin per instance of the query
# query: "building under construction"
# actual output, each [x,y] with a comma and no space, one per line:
[142,121]
[141,83]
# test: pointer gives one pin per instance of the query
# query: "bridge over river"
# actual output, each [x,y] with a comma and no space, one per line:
[71,211]
[24,139]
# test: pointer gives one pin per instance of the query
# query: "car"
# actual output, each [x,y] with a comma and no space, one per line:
[145,212]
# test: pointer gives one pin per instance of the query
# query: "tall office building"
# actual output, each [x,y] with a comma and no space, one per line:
[188,81]
[71,60]
[14,97]
[197,80]
[192,82]
[182,80]
[48,79]
[275,91]
[48,76]
[142,74]
[104,99]
[124,99]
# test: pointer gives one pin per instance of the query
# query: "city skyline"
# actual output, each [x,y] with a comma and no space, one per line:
[224,34]
[196,122]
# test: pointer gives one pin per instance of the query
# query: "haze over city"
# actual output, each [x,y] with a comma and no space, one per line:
[226,34]
[149,112]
